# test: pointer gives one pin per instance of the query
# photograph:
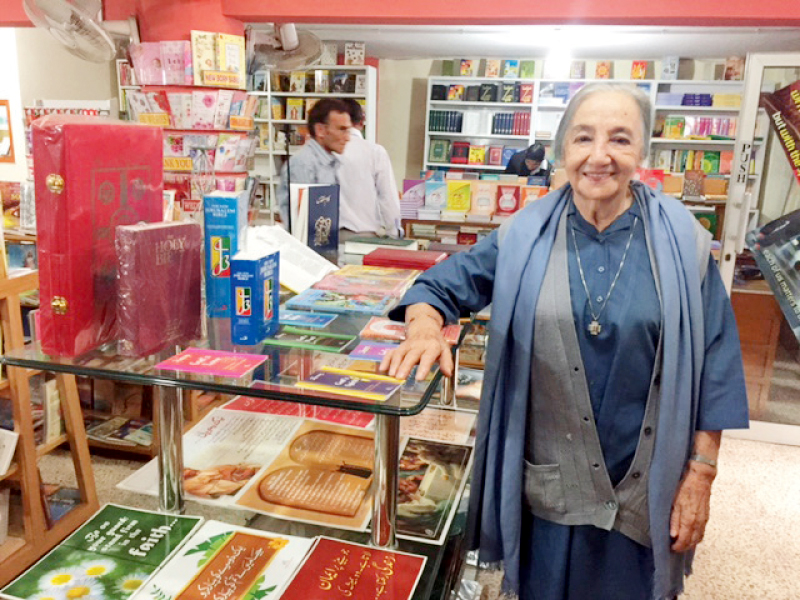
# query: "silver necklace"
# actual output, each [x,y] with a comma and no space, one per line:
[594,327]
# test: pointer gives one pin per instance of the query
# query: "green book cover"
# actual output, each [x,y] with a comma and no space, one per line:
[294,337]
[447,68]
[439,151]
[109,558]
[711,161]
[526,69]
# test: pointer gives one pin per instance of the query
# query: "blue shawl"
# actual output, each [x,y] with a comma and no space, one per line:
[497,483]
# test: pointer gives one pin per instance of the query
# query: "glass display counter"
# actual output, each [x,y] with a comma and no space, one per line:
[274,379]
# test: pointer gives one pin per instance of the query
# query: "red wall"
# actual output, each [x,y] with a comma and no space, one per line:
[169,19]
[518,12]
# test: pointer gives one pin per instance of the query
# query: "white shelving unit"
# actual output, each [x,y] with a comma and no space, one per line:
[269,160]
[126,80]
[724,145]
[544,112]
[548,104]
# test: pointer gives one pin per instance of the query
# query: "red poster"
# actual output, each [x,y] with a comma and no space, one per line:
[304,411]
[336,569]
[783,108]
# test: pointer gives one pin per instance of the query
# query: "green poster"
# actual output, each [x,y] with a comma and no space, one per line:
[108,558]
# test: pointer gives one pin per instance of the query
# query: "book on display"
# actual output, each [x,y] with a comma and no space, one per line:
[335,302]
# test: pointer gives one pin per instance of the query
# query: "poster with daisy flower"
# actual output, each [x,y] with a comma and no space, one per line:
[109,558]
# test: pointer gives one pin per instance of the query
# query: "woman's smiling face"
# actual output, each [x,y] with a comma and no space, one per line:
[603,147]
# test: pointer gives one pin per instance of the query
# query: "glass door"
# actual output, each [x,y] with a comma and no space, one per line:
[764,187]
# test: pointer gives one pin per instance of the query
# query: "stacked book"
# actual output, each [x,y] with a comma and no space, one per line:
[404,259]
[355,289]
[413,198]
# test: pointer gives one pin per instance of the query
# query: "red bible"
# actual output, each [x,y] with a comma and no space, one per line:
[90,175]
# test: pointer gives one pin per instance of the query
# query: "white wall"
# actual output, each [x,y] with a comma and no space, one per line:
[9,90]
[402,89]
[49,72]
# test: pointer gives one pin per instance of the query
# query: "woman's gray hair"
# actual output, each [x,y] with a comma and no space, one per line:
[630,90]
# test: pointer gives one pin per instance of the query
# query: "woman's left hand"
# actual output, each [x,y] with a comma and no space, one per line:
[691,507]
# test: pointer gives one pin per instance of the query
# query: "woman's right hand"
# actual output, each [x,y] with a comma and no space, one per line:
[424,346]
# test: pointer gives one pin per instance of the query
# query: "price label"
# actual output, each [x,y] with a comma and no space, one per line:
[158,119]
[242,123]
[227,79]
[177,163]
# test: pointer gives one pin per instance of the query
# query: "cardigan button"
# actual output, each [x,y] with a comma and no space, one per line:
[636,475]
[611,505]
[648,430]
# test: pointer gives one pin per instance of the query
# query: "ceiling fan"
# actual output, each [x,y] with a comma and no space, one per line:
[78,25]
[282,47]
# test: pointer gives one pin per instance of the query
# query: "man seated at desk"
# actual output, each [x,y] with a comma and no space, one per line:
[530,163]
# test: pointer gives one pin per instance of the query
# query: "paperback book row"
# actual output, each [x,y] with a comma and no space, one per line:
[210,59]
[315,465]
[485,92]
[293,109]
[208,152]
[492,67]
[454,236]
[678,127]
[480,122]
[525,69]
[678,161]
[715,100]
[206,109]
[316,81]
[466,153]
[478,200]
[123,553]
[295,135]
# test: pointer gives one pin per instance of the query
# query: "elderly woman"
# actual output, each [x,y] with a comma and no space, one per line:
[613,365]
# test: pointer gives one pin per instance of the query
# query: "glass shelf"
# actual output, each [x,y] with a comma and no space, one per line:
[274,379]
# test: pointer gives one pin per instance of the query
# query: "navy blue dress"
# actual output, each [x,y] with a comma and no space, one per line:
[583,562]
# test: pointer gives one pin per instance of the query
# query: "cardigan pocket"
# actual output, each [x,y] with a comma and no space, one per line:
[544,490]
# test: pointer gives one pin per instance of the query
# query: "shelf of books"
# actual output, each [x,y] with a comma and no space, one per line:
[695,124]
[283,102]
[493,117]
[476,124]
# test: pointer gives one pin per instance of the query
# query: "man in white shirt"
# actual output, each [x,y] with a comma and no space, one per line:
[369,202]
[318,161]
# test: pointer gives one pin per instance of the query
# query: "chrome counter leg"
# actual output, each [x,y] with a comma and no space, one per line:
[170,449]
[384,497]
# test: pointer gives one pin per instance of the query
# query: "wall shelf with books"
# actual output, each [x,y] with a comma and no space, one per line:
[478,135]
[679,142]
[465,166]
[283,101]
[704,109]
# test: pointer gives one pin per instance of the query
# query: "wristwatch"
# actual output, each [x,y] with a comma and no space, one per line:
[703,459]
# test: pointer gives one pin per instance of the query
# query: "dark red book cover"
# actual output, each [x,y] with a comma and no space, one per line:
[459,153]
[90,175]
[337,569]
[403,259]
[159,285]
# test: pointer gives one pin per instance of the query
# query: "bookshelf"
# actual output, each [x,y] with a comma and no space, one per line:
[705,109]
[126,81]
[271,152]
[35,535]
[536,106]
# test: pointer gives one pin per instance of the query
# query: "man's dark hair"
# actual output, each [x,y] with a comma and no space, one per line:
[355,111]
[320,112]
[535,152]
